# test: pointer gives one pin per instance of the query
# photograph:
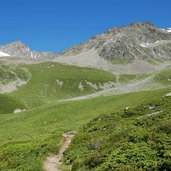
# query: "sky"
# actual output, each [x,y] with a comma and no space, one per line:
[54,25]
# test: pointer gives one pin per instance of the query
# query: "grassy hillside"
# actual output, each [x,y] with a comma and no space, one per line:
[30,136]
[137,139]
[164,77]
[9,104]
[9,73]
[126,78]
[51,82]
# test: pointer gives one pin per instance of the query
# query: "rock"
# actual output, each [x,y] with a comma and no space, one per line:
[59,82]
[166,95]
[68,162]
[80,86]
[19,110]
[21,50]
[151,107]
[141,40]
[126,109]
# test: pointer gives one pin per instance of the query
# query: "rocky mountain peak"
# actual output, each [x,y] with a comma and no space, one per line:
[19,49]
[19,44]
[140,40]
[145,24]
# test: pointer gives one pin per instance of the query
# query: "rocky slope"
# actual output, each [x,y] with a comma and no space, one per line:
[19,49]
[124,44]
[141,43]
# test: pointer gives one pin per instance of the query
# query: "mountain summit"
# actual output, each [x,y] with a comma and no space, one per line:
[19,49]
[141,40]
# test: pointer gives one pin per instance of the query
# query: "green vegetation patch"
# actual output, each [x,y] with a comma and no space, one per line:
[125,78]
[129,140]
[52,81]
[9,104]
[30,136]
[10,73]
[164,77]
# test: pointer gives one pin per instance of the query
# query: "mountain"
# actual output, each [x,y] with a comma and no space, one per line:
[168,30]
[138,46]
[142,41]
[2,54]
[122,120]
[19,49]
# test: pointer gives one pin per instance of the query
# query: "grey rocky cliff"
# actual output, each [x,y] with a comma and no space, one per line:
[124,44]
[119,45]
[18,49]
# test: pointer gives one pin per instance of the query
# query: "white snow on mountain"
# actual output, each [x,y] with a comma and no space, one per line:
[2,54]
[168,30]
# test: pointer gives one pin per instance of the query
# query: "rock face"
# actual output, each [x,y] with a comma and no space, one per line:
[138,41]
[124,44]
[19,49]
[19,110]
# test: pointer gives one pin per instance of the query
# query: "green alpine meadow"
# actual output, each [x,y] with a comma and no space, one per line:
[85,85]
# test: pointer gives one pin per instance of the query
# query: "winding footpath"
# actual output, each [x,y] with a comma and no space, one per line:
[52,163]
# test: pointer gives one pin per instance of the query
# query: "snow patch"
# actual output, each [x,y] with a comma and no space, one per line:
[145,44]
[152,44]
[2,54]
[168,30]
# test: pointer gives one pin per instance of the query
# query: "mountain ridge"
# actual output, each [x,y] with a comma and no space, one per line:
[124,43]
[119,45]
[19,49]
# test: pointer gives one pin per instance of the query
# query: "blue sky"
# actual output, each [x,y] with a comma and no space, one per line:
[54,25]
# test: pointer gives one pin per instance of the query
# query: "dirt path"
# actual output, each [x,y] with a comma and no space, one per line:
[52,163]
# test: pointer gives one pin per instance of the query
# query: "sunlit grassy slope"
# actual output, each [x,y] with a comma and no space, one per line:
[51,82]
[9,104]
[30,136]
[136,139]
[9,73]
[164,77]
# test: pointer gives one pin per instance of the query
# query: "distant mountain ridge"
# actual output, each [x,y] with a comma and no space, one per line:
[141,40]
[19,49]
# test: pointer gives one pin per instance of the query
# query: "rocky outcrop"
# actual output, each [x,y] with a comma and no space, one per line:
[124,44]
[18,49]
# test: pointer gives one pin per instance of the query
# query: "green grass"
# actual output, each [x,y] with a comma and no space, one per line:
[9,104]
[153,62]
[126,78]
[10,73]
[119,62]
[30,136]
[164,77]
[125,140]
[43,88]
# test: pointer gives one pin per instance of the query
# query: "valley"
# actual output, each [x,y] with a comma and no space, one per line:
[110,91]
